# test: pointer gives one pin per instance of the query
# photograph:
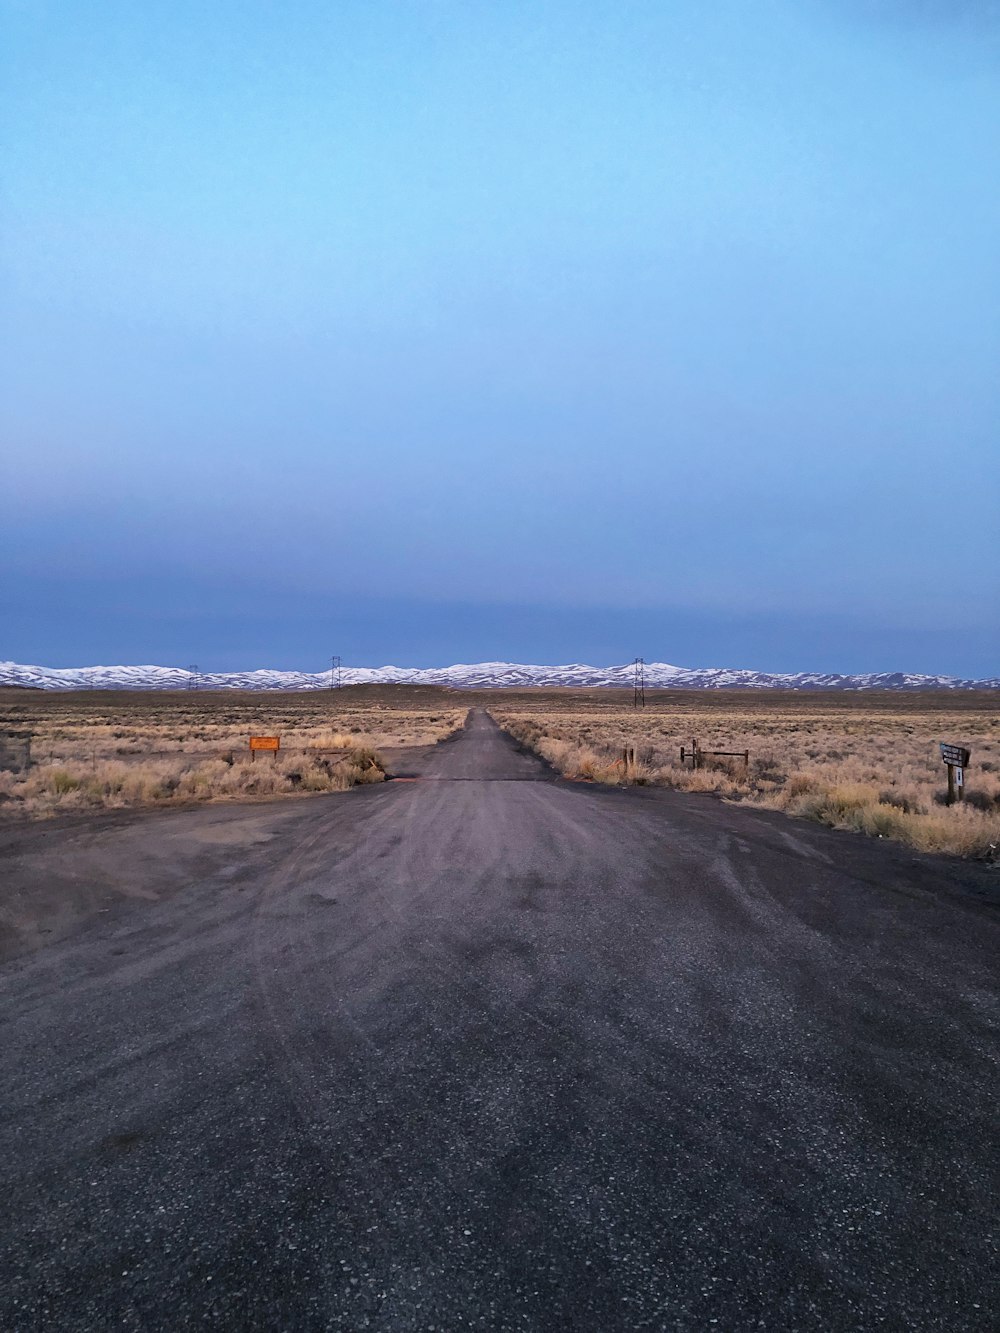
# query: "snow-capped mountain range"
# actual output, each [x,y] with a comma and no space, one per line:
[479,675]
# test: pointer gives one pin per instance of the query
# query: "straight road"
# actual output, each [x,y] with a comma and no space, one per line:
[492,1050]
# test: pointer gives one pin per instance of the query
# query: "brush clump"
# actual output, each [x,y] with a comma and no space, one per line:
[106,784]
[112,751]
[872,767]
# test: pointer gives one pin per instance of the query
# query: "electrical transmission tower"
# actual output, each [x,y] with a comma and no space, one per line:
[193,680]
[335,675]
[639,686]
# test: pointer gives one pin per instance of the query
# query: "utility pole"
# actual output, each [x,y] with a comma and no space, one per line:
[639,684]
[335,673]
[193,680]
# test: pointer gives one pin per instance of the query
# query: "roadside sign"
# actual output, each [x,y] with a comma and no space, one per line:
[957,758]
[955,754]
[269,744]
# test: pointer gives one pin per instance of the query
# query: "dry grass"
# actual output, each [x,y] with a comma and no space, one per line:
[110,750]
[864,762]
[867,763]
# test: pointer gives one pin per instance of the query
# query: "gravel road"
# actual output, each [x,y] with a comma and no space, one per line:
[486,1049]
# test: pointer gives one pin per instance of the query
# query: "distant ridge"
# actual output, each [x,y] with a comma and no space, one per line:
[479,675]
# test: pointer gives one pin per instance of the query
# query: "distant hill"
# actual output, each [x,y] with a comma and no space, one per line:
[479,675]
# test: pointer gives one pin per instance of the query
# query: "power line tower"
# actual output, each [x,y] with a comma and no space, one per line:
[194,679]
[639,684]
[336,679]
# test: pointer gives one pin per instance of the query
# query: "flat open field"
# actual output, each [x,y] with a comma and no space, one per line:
[869,762]
[105,749]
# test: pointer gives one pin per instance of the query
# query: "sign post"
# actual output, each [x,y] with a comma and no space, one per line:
[957,759]
[266,743]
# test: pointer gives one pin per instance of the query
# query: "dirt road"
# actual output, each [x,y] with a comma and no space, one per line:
[489,1050]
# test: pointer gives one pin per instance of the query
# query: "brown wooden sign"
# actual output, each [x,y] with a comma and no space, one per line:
[272,743]
[955,754]
[957,759]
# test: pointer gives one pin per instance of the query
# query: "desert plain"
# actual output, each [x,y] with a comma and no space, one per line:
[868,761]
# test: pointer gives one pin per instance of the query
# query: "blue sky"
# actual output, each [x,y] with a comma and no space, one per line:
[444,330]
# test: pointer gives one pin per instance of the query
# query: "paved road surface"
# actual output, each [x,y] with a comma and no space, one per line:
[489,1050]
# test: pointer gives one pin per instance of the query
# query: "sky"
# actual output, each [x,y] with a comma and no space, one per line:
[424,331]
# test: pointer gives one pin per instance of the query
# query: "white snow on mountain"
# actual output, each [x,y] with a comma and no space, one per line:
[486,675]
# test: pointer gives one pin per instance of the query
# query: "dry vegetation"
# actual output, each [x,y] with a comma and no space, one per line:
[100,749]
[864,762]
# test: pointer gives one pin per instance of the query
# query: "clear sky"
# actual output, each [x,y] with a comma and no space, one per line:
[436,330]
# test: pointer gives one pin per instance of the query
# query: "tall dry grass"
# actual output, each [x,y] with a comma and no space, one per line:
[875,772]
[109,784]
[102,752]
